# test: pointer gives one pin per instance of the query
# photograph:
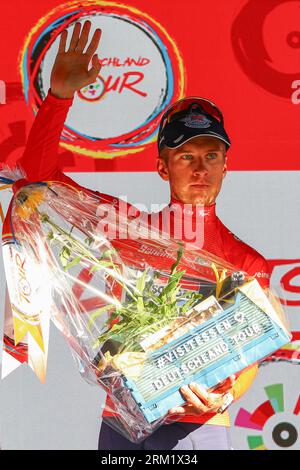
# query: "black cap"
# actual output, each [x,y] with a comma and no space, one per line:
[193,121]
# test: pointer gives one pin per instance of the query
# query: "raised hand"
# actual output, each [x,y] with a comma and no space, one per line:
[70,70]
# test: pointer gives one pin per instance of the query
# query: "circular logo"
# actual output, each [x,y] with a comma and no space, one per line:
[141,73]
[269,55]
[274,424]
[285,434]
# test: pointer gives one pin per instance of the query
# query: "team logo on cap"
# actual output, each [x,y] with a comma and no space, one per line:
[196,119]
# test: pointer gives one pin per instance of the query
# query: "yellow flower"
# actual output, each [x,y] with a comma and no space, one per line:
[28,200]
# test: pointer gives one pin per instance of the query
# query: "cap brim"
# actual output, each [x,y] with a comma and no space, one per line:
[211,134]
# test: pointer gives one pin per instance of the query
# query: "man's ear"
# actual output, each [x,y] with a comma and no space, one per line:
[225,168]
[162,168]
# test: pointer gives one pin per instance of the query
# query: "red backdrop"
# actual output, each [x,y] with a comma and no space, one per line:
[242,54]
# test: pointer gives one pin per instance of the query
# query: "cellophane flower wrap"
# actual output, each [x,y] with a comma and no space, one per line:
[142,315]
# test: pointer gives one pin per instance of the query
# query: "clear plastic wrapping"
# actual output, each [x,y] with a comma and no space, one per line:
[142,315]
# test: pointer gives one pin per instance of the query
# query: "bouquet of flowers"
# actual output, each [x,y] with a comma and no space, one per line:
[142,315]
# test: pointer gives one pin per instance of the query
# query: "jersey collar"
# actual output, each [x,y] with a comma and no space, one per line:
[208,213]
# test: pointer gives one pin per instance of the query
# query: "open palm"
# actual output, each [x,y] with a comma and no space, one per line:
[71,71]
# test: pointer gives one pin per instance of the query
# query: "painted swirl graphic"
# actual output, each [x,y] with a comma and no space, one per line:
[142,72]
[266,41]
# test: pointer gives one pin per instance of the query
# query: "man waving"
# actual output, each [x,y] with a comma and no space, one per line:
[192,158]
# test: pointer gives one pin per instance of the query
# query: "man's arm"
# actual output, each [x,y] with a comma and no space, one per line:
[199,399]
[40,159]
[258,268]
[244,381]
[69,73]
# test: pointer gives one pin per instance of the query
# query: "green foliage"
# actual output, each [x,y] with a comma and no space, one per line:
[143,311]
[149,312]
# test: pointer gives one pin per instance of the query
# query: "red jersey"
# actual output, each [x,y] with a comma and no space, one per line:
[41,163]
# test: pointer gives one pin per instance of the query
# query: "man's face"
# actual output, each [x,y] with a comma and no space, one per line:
[195,170]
